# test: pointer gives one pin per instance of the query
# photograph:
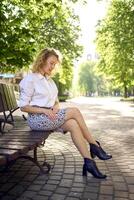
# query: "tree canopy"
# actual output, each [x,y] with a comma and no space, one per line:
[86,79]
[30,25]
[115,41]
[90,82]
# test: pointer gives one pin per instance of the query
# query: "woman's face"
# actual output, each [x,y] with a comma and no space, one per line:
[49,65]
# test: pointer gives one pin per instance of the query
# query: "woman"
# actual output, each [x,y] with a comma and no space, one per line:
[39,98]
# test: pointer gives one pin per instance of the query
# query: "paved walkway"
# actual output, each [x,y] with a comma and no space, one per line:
[112,123]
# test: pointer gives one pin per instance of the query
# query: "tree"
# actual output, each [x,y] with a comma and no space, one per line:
[30,25]
[90,81]
[86,78]
[115,43]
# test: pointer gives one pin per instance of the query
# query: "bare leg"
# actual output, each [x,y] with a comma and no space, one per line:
[74,113]
[89,165]
[73,127]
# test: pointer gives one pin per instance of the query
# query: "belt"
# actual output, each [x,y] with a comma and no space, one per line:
[42,107]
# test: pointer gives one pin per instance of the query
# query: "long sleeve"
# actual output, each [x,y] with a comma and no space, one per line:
[26,91]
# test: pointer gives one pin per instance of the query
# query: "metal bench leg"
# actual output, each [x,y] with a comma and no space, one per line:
[2,125]
[1,129]
[36,163]
[10,114]
[44,163]
[34,160]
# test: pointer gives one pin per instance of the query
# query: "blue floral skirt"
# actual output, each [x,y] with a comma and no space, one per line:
[42,122]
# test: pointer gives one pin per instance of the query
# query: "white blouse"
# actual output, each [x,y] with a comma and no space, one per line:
[35,89]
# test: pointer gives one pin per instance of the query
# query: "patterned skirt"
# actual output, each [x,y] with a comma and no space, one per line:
[42,122]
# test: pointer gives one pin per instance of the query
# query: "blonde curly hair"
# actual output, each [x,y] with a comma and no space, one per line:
[42,58]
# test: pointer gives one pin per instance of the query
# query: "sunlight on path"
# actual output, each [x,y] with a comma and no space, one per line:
[114,103]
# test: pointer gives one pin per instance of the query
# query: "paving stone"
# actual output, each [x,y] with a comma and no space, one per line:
[68,176]
[77,189]
[129,180]
[45,193]
[79,185]
[121,198]
[55,173]
[40,182]
[6,187]
[42,177]
[29,194]
[59,162]
[62,190]
[19,189]
[57,197]
[72,198]
[23,198]
[92,182]
[131,188]
[38,197]
[75,194]
[56,169]
[53,177]
[131,196]
[118,178]
[49,187]
[69,171]
[107,182]
[66,183]
[25,184]
[79,179]
[54,182]
[121,194]
[92,189]
[90,195]
[35,187]
[29,177]
[120,186]
[105,197]
[106,190]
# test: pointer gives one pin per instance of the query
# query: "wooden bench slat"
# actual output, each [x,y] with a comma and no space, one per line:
[21,139]
[2,160]
[26,143]
[10,154]
[7,151]
[21,149]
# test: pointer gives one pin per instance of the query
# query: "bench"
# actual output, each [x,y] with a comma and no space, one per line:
[16,143]
[8,104]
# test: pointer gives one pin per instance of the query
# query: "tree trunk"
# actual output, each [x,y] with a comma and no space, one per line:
[125,91]
[133,91]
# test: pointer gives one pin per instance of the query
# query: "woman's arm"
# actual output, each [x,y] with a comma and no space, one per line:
[32,109]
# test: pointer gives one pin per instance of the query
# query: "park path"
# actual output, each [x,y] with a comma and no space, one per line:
[112,123]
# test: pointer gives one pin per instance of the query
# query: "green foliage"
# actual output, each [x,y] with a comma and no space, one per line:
[30,25]
[86,77]
[115,39]
[89,81]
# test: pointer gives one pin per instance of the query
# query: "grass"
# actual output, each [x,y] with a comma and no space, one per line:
[63,98]
[130,99]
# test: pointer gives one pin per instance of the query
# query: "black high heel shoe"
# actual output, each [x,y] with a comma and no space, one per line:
[99,152]
[90,166]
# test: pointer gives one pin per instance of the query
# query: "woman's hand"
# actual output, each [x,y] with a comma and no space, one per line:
[55,109]
[51,114]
